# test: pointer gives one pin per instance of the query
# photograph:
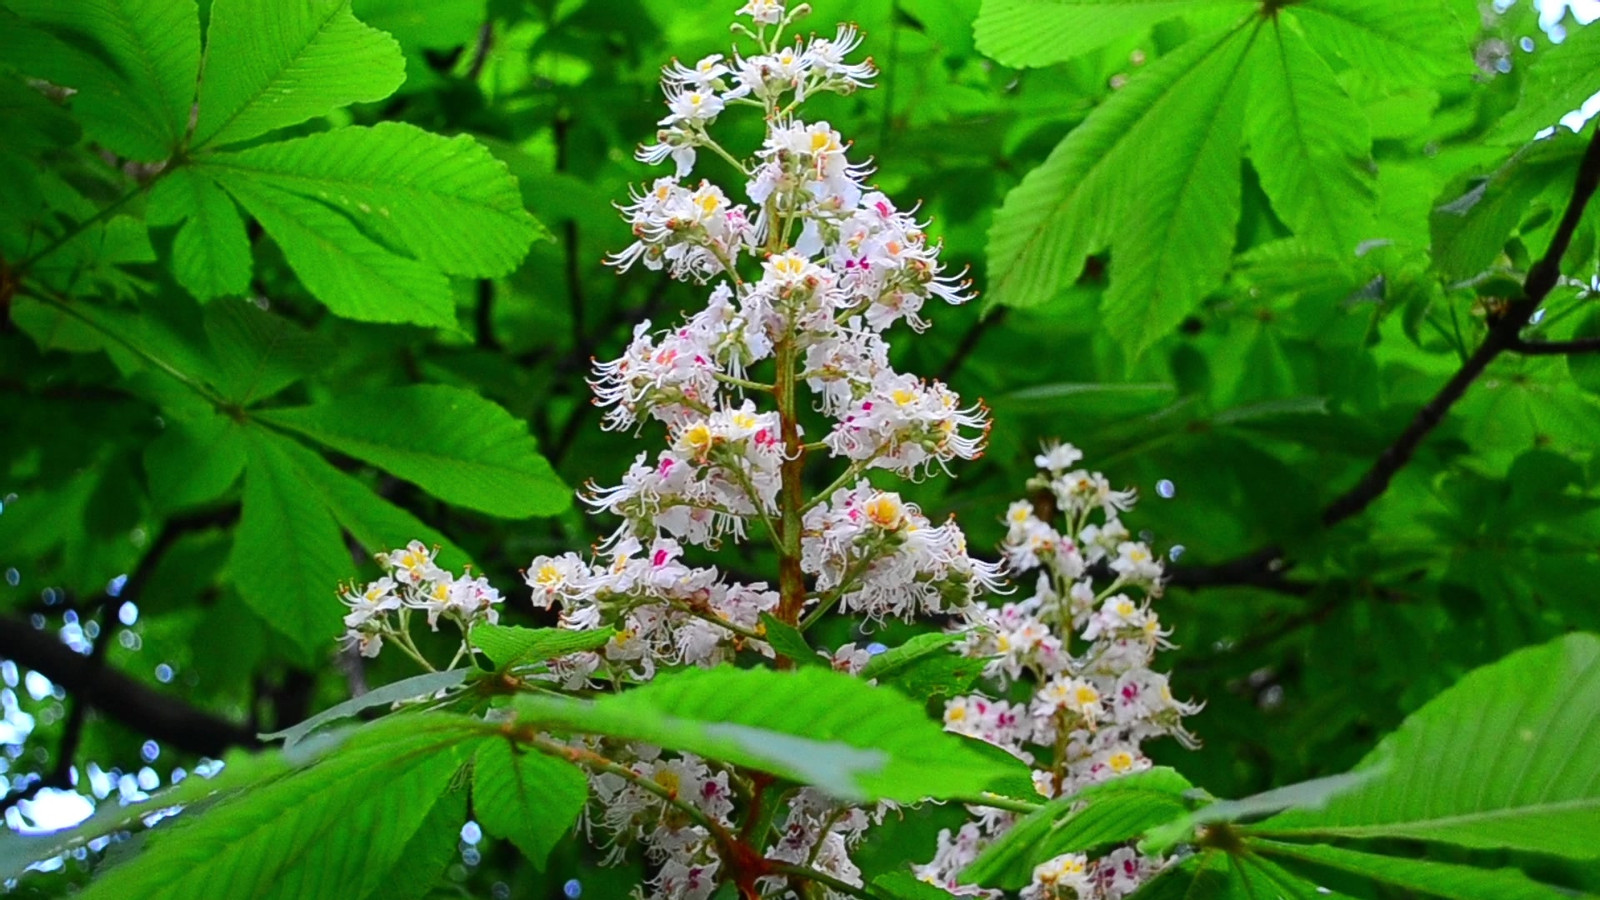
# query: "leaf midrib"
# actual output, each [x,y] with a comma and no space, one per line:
[250,101]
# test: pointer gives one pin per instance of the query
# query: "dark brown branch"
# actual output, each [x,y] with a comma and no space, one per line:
[92,683]
[168,720]
[1266,569]
[1504,334]
[1557,348]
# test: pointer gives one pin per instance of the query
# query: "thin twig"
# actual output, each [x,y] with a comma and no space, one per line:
[1557,348]
[1264,568]
[1503,335]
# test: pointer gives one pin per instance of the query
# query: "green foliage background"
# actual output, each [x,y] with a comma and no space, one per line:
[345,293]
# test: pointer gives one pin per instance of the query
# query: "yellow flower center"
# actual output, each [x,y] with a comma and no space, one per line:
[885,511]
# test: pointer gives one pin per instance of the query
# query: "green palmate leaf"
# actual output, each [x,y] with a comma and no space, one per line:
[789,641]
[269,65]
[354,275]
[509,645]
[257,354]
[211,252]
[527,798]
[1398,44]
[1309,143]
[1558,81]
[1043,32]
[375,523]
[335,830]
[1116,811]
[1174,237]
[194,460]
[134,63]
[433,846]
[1436,879]
[447,200]
[1476,215]
[1063,210]
[1505,758]
[813,725]
[288,559]
[424,685]
[456,445]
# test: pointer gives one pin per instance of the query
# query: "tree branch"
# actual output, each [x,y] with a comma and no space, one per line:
[1504,335]
[91,682]
[1557,348]
[168,720]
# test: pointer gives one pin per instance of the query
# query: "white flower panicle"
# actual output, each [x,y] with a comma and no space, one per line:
[414,583]
[1073,692]
[808,266]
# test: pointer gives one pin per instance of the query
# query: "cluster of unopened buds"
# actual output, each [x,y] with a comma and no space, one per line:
[806,278]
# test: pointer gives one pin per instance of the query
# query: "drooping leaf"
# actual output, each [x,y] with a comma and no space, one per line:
[1063,209]
[456,445]
[354,275]
[527,798]
[133,62]
[1400,45]
[270,65]
[1116,811]
[211,252]
[1174,237]
[1043,32]
[1436,879]
[374,522]
[509,645]
[333,830]
[454,206]
[813,725]
[1309,143]
[288,559]
[1313,794]
[424,685]
[1504,759]
[1558,81]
